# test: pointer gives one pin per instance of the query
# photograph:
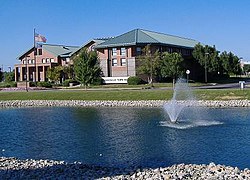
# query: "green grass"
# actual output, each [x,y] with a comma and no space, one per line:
[87,95]
[121,95]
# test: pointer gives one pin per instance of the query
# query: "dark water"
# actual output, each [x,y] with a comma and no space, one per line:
[126,136]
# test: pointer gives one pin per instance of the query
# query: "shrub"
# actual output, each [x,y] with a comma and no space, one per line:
[134,80]
[32,84]
[44,84]
[97,81]
[66,82]
[8,84]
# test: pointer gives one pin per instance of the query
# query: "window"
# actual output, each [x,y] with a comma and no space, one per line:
[123,62]
[186,52]
[138,50]
[47,60]
[30,61]
[114,51]
[114,62]
[93,48]
[44,61]
[123,51]
[67,60]
[40,51]
[24,61]
[52,60]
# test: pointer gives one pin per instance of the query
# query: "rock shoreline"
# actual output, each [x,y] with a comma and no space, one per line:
[12,168]
[141,103]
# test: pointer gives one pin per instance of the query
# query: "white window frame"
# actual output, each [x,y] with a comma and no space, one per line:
[123,51]
[114,51]
[114,62]
[123,61]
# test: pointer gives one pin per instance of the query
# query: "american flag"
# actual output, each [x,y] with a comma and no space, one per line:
[40,38]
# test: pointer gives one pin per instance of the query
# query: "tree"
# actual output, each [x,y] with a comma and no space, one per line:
[68,71]
[208,58]
[224,58]
[246,69]
[149,63]
[1,75]
[54,74]
[9,76]
[171,65]
[86,67]
[230,63]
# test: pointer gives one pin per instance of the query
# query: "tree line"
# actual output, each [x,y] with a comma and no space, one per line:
[86,69]
[172,65]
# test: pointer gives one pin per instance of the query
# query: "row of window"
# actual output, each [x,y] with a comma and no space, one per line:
[30,61]
[122,51]
[123,62]
[48,60]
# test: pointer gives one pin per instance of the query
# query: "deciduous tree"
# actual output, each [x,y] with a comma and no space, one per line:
[171,65]
[149,63]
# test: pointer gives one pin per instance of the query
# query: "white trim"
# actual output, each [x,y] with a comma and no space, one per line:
[115,80]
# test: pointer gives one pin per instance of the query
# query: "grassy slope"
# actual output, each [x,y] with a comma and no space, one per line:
[121,95]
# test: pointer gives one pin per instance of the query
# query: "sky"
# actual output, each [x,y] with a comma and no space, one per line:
[223,23]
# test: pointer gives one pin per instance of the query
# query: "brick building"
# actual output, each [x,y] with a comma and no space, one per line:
[118,55]
[33,66]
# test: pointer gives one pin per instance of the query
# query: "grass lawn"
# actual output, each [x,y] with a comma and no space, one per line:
[146,94]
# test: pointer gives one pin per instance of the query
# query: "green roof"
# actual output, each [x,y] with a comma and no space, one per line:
[140,36]
[56,50]
[60,50]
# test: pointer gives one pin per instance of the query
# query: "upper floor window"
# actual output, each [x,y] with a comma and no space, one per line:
[114,51]
[52,60]
[123,51]
[39,51]
[44,61]
[92,48]
[114,62]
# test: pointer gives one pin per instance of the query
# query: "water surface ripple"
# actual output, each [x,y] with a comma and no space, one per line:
[126,136]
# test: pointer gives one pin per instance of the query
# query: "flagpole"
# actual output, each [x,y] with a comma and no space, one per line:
[35,56]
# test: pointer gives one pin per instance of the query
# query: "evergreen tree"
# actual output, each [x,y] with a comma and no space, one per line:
[86,67]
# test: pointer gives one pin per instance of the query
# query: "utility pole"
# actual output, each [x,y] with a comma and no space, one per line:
[206,54]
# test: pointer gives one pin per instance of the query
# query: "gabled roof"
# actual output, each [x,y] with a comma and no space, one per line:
[56,50]
[96,41]
[140,36]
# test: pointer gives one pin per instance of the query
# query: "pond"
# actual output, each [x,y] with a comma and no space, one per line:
[121,137]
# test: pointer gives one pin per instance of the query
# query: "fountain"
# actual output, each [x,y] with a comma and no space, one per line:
[182,92]
[182,101]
